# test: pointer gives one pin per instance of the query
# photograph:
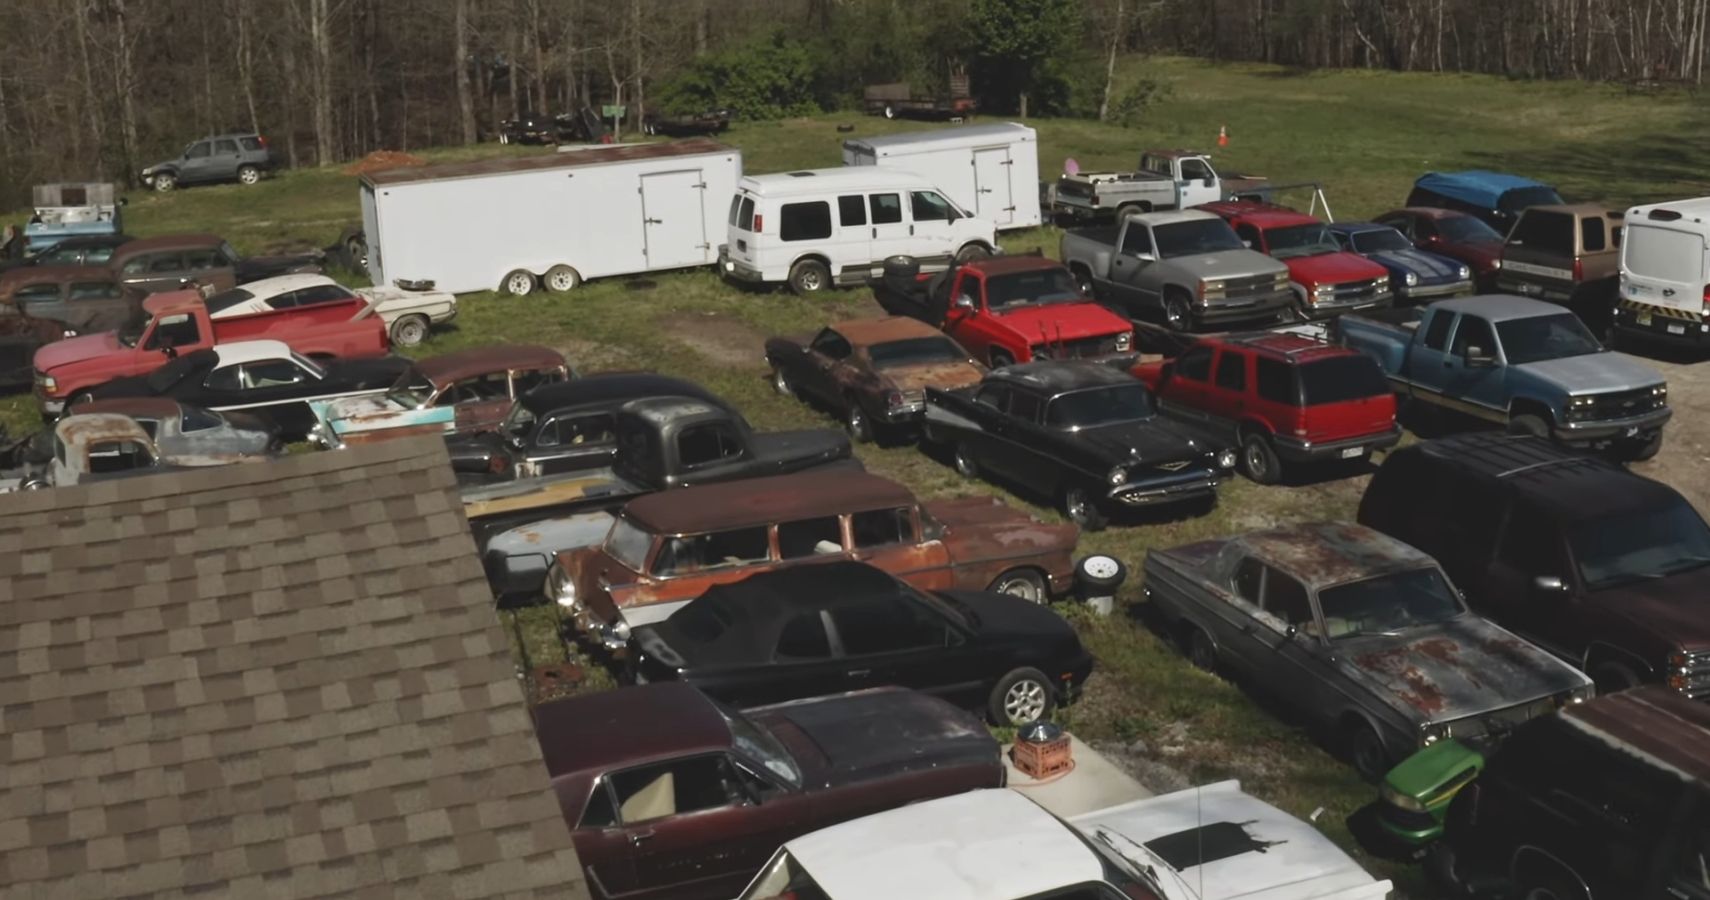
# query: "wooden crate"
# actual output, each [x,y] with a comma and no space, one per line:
[1042,759]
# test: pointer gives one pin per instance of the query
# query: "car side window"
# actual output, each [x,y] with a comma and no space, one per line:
[1195,364]
[198,150]
[887,208]
[225,148]
[1421,229]
[882,527]
[321,293]
[830,343]
[525,380]
[703,445]
[1249,580]
[137,265]
[250,143]
[196,419]
[225,379]
[1195,170]
[995,396]
[1286,598]
[886,624]
[810,537]
[1250,235]
[95,290]
[1437,333]
[1546,230]
[196,260]
[1592,234]
[714,550]
[166,262]
[805,221]
[1531,544]
[1025,405]
[1473,331]
[1136,240]
[675,788]
[272,373]
[1232,371]
[803,637]
[36,293]
[286,300]
[174,331]
[491,386]
[851,210]
[590,430]
[599,812]
[1274,380]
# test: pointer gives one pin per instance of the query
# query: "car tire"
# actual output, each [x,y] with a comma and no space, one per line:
[809,276]
[561,279]
[781,383]
[165,182]
[855,422]
[410,330]
[1200,649]
[1080,506]
[1530,425]
[248,175]
[356,254]
[1084,280]
[77,399]
[518,283]
[1178,312]
[1022,696]
[1100,573]
[1001,358]
[971,252]
[1027,584]
[1611,677]
[1365,751]
[1259,460]
[966,465]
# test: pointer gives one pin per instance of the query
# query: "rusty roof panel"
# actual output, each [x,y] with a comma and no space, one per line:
[867,332]
[1652,723]
[82,428]
[759,501]
[569,159]
[449,367]
[1324,554]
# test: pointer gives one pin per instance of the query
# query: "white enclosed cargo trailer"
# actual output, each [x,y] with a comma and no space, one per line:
[517,224]
[989,170]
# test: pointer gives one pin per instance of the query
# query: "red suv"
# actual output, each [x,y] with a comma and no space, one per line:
[1281,397]
[1327,280]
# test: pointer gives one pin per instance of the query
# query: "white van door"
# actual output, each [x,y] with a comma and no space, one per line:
[889,229]
[1663,266]
[674,220]
[994,200]
[933,236]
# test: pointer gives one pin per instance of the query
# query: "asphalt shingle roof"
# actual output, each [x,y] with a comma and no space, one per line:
[271,680]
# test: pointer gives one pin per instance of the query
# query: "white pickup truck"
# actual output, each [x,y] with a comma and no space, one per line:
[1166,179]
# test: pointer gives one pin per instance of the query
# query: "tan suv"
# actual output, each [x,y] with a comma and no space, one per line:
[1568,253]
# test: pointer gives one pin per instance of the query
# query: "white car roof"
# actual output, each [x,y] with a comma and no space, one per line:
[990,844]
[1170,217]
[1256,850]
[283,284]
[249,351]
[1696,209]
[821,181]
[954,136]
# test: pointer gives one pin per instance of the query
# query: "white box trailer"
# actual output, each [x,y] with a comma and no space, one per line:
[991,171]
[515,224]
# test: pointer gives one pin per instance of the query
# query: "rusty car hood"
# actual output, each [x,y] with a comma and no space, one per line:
[1673,608]
[985,527]
[869,735]
[946,376]
[1465,666]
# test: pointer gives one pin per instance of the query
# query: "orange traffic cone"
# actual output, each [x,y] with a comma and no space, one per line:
[1222,135]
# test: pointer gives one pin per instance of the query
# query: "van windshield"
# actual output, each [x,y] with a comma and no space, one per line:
[1650,543]
[1195,237]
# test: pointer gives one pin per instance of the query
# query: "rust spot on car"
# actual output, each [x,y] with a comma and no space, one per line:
[1415,689]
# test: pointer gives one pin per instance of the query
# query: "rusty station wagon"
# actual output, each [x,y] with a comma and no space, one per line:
[456,393]
[666,549]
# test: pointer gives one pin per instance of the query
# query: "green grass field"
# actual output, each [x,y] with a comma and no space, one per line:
[1364,135]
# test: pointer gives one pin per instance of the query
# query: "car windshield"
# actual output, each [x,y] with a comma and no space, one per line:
[1100,406]
[1378,240]
[1554,336]
[628,544]
[1465,230]
[1520,198]
[518,421]
[915,352]
[132,330]
[1340,379]
[412,390]
[1310,239]
[1016,289]
[1194,237]
[759,745]
[1388,603]
[1651,543]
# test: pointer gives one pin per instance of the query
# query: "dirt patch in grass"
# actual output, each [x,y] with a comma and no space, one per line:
[593,356]
[721,339]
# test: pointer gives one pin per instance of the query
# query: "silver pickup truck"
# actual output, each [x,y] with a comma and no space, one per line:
[1189,265]
[1165,179]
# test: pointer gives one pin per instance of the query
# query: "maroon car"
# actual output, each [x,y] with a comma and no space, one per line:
[670,795]
[1452,234]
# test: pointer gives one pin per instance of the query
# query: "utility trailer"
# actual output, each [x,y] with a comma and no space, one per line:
[989,170]
[901,100]
[514,224]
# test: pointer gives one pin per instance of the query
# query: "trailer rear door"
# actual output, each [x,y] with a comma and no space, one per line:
[674,219]
[994,197]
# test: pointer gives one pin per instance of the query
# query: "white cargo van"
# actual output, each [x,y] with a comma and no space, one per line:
[991,170]
[553,219]
[821,227]
[1665,273]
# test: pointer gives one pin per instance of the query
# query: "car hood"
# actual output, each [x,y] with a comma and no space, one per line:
[1334,268]
[1153,440]
[868,735]
[1051,322]
[1594,373]
[999,616]
[1463,667]
[981,528]
[1675,608]
[77,349]
[1226,264]
[1428,267]
[913,379]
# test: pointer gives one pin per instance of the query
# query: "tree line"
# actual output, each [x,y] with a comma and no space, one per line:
[99,88]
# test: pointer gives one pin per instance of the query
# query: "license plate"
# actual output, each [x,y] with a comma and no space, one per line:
[1353,452]
[1644,319]
[1531,289]
[1677,329]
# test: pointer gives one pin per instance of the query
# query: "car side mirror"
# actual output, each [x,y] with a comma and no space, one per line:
[1549,584]
[966,304]
[1206,181]
[169,351]
[1479,358]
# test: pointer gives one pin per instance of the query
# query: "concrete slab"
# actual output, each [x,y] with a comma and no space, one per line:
[1094,783]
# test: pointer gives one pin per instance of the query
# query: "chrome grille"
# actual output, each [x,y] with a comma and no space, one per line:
[1622,404]
[1084,348]
[1693,678]
[1353,293]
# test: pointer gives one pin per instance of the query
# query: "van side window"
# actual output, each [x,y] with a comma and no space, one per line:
[1437,335]
[1591,232]
[805,221]
[745,215]
[929,207]
[887,208]
[851,210]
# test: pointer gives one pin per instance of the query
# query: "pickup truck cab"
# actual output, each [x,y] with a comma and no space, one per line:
[1284,399]
[1188,265]
[177,322]
[89,448]
[1326,279]
[1165,179]
[1525,364]
[1569,254]
[1010,309]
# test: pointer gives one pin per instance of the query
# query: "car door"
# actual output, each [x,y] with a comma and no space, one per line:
[692,829]
[818,374]
[989,410]
[97,305]
[223,162]
[1531,546]
[569,441]
[43,300]
[1186,393]
[1226,403]
[1031,456]
[197,163]
[802,663]
[1483,387]
[1198,184]
[930,215]
[1128,266]
[1291,663]
[154,271]
[888,230]
[603,846]
[889,538]
[895,639]
[1427,357]
[279,390]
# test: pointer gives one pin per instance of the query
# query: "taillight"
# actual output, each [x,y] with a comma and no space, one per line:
[1578,269]
[499,464]
[261,139]
[1707,299]
[756,223]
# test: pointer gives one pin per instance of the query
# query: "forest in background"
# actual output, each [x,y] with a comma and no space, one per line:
[100,88]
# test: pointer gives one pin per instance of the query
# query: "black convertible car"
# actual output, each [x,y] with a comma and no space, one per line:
[1085,433]
[807,631]
[265,378]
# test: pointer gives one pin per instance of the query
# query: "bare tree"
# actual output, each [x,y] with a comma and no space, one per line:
[465,97]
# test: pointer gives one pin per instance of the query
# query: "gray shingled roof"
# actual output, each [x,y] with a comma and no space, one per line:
[270,680]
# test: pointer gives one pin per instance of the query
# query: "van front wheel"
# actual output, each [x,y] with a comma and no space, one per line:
[809,276]
[971,252]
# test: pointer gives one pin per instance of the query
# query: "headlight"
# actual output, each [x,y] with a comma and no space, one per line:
[560,588]
[1432,732]
[1580,402]
[48,384]
[1660,391]
[1211,285]
[1324,290]
[1412,279]
[1124,341]
[1464,273]
[1397,799]
[1582,693]
[1226,458]
[1495,264]
[1117,477]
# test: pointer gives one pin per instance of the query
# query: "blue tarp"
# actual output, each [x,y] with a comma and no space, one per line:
[1475,186]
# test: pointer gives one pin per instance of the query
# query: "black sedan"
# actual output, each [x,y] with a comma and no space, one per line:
[1084,433]
[265,378]
[806,631]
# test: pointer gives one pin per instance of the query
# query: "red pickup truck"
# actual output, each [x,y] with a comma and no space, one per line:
[1281,397]
[1009,309]
[176,322]
[1327,280]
